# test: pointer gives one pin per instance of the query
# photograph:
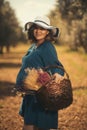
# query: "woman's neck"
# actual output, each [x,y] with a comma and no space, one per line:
[39,42]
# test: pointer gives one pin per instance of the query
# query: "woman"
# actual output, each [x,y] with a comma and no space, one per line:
[41,54]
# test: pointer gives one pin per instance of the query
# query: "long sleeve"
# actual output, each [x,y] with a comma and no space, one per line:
[49,57]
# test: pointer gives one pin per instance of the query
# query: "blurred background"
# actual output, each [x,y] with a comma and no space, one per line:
[70,16]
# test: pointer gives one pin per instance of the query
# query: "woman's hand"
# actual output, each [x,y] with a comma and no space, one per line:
[57,77]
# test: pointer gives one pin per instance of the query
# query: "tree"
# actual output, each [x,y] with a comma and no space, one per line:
[10,30]
[75,13]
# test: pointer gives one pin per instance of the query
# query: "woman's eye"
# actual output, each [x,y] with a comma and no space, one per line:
[40,28]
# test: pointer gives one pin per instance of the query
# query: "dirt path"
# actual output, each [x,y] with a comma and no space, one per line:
[9,118]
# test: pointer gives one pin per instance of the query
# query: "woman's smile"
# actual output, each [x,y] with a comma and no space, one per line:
[40,33]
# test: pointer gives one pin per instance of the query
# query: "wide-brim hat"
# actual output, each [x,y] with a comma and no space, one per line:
[44,22]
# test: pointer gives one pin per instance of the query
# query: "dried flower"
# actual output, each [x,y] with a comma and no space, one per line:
[35,78]
[44,78]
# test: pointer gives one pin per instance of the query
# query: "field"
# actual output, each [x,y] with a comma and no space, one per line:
[72,118]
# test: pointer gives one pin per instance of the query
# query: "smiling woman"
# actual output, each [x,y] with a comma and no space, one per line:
[26,9]
[40,33]
[42,53]
[40,29]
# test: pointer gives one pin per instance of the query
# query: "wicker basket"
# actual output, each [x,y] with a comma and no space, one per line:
[55,96]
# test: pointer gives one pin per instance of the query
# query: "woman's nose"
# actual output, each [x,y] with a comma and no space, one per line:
[38,29]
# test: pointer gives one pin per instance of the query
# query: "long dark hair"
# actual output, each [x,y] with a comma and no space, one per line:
[31,37]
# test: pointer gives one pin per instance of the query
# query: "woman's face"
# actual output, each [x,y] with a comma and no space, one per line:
[40,33]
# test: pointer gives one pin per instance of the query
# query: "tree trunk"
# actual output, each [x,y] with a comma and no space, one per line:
[8,49]
[1,49]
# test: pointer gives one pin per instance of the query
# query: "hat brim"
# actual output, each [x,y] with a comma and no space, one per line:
[55,30]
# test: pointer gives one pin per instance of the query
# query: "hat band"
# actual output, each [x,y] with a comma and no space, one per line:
[41,21]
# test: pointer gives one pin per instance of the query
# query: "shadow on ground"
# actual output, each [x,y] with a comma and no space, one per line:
[80,88]
[6,89]
[9,65]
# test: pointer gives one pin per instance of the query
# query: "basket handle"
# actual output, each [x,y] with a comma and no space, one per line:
[57,66]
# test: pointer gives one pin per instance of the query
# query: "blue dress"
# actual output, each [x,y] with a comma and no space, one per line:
[30,109]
